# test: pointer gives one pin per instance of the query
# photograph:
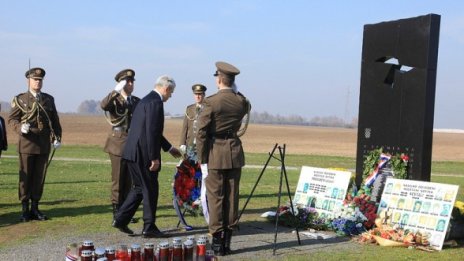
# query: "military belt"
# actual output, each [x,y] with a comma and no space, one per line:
[224,136]
[39,131]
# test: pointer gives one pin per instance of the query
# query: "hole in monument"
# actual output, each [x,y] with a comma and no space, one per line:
[394,66]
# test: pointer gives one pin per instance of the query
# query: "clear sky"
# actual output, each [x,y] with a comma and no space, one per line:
[296,57]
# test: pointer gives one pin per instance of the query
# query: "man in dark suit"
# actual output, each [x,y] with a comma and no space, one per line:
[3,139]
[119,106]
[219,146]
[143,155]
[34,117]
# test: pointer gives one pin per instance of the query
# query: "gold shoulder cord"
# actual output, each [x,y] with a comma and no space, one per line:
[244,127]
[120,119]
[49,121]
[196,113]
[27,114]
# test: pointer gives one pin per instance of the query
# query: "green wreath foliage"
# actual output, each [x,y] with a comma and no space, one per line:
[398,162]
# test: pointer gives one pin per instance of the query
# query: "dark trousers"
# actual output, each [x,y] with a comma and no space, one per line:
[121,182]
[31,176]
[145,187]
[222,188]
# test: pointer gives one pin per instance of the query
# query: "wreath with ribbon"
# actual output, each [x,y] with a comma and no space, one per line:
[187,187]
[376,159]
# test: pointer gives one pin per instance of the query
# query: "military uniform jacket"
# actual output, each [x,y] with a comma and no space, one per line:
[119,116]
[43,119]
[188,129]
[217,141]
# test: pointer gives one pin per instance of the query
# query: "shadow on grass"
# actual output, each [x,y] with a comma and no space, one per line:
[12,218]
[268,195]
[9,174]
[47,203]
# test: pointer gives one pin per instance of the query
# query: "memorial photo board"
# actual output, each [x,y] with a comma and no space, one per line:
[322,189]
[419,206]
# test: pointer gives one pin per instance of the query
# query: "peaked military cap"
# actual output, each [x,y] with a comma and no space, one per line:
[226,69]
[198,89]
[35,73]
[124,75]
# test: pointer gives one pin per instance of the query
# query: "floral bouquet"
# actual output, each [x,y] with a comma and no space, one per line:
[187,186]
[386,235]
[303,217]
[355,216]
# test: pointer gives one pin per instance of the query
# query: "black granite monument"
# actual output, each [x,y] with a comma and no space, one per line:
[397,97]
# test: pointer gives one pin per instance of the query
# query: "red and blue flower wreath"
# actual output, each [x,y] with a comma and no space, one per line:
[187,190]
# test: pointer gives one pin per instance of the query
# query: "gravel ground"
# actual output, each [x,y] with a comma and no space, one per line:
[254,241]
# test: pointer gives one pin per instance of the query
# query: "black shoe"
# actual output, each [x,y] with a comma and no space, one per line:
[218,244]
[122,228]
[25,217]
[25,214]
[37,215]
[154,234]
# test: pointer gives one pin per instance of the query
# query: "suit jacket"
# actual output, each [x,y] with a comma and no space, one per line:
[188,133]
[3,138]
[145,139]
[120,115]
[43,120]
[217,141]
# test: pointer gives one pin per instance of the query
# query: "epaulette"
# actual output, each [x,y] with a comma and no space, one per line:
[211,96]
[15,99]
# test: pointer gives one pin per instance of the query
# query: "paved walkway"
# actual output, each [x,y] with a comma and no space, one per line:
[254,241]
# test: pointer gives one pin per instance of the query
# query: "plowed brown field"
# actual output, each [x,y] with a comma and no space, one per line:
[92,130]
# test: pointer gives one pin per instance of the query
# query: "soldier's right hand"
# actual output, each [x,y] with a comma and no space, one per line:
[25,128]
[120,85]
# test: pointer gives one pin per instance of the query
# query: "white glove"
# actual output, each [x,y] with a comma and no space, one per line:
[183,149]
[56,144]
[120,85]
[25,128]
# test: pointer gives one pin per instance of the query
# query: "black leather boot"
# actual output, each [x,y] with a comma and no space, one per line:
[218,244]
[25,215]
[35,212]
[227,240]
[115,210]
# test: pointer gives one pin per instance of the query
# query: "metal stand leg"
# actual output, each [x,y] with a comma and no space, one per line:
[283,174]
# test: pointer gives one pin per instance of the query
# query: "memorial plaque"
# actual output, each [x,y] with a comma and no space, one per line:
[322,189]
[420,207]
[397,96]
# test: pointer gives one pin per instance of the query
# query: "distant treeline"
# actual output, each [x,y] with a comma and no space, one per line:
[92,107]
[329,121]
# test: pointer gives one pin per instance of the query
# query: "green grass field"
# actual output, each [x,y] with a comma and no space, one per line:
[77,197]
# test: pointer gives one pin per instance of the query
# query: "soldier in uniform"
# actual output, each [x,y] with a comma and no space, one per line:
[188,138]
[189,127]
[35,118]
[219,147]
[3,139]
[119,104]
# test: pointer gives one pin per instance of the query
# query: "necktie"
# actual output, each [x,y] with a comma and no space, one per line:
[37,97]
[129,103]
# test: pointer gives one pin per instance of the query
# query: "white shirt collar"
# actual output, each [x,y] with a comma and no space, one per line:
[161,96]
